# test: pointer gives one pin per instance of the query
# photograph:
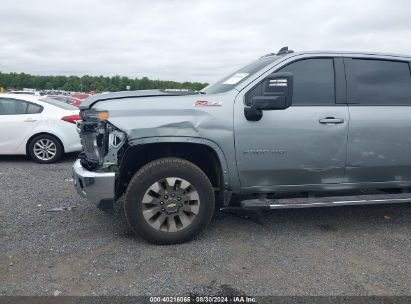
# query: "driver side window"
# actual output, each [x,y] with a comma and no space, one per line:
[314,82]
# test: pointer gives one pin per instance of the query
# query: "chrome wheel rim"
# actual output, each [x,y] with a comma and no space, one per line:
[45,149]
[170,204]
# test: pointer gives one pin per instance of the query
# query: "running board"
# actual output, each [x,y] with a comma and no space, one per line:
[327,201]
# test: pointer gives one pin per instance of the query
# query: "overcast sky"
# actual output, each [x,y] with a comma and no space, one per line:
[193,40]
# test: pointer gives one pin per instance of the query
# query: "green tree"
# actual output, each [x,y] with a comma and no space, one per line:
[87,83]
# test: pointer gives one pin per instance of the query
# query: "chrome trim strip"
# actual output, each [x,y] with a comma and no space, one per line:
[336,203]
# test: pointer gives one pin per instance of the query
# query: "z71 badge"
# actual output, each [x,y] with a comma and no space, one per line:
[206,103]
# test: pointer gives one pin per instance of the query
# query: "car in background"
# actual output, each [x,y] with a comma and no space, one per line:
[80,95]
[41,127]
[67,99]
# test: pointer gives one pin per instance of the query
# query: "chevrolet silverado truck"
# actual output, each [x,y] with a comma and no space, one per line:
[289,130]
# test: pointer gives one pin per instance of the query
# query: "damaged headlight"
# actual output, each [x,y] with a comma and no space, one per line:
[100,139]
[94,115]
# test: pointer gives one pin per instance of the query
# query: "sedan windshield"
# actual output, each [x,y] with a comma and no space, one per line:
[229,82]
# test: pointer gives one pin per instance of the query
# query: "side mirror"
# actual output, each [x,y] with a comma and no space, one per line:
[277,95]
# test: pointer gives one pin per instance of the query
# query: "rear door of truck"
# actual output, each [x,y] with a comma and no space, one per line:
[379,140]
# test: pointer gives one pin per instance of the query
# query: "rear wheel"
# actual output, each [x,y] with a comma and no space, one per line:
[169,201]
[45,149]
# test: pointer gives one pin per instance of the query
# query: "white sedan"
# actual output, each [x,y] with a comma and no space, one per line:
[38,126]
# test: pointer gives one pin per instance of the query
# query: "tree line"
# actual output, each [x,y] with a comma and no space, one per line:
[88,83]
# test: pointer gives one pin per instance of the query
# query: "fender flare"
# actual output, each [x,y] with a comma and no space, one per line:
[195,140]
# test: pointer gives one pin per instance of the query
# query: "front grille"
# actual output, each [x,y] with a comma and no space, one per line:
[97,138]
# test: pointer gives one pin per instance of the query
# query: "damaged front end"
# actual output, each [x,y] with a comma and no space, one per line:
[102,142]
[95,172]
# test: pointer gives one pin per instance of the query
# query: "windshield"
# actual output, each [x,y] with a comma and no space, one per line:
[229,82]
[58,103]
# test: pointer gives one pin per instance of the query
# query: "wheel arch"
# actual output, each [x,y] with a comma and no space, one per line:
[206,154]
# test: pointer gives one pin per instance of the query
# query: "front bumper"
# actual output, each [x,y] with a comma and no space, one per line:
[95,186]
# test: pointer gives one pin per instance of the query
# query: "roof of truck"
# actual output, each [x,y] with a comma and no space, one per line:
[285,51]
[363,53]
[342,53]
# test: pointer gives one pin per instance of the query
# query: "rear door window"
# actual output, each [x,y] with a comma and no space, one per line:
[33,108]
[11,106]
[381,82]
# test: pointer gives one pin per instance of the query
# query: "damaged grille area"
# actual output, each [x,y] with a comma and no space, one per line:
[92,136]
[87,163]
[101,143]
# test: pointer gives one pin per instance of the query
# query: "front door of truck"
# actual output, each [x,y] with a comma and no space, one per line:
[303,144]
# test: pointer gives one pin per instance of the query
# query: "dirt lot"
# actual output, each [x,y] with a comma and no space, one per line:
[362,250]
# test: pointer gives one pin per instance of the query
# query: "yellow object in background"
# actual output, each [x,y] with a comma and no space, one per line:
[1,90]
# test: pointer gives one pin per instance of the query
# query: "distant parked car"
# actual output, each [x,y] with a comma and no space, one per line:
[67,99]
[41,127]
[80,95]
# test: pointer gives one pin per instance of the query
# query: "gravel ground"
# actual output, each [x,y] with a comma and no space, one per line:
[363,250]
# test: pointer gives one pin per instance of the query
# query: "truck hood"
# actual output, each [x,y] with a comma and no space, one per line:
[86,104]
[145,114]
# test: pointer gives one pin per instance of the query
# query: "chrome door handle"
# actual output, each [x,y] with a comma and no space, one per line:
[30,120]
[331,120]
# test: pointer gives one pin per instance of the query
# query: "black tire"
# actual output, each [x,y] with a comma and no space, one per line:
[59,150]
[152,173]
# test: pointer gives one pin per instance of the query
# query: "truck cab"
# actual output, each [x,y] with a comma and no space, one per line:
[289,130]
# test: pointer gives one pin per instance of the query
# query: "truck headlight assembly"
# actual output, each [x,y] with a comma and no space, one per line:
[94,115]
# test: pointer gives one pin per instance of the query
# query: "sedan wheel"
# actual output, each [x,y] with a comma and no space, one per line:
[45,149]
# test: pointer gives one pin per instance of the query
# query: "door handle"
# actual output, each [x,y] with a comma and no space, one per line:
[30,120]
[331,120]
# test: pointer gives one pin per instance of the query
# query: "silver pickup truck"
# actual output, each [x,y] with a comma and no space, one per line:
[289,130]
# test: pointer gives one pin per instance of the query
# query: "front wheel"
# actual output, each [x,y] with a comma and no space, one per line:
[169,201]
[45,149]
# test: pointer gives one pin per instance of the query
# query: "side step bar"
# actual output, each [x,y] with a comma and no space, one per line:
[327,201]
